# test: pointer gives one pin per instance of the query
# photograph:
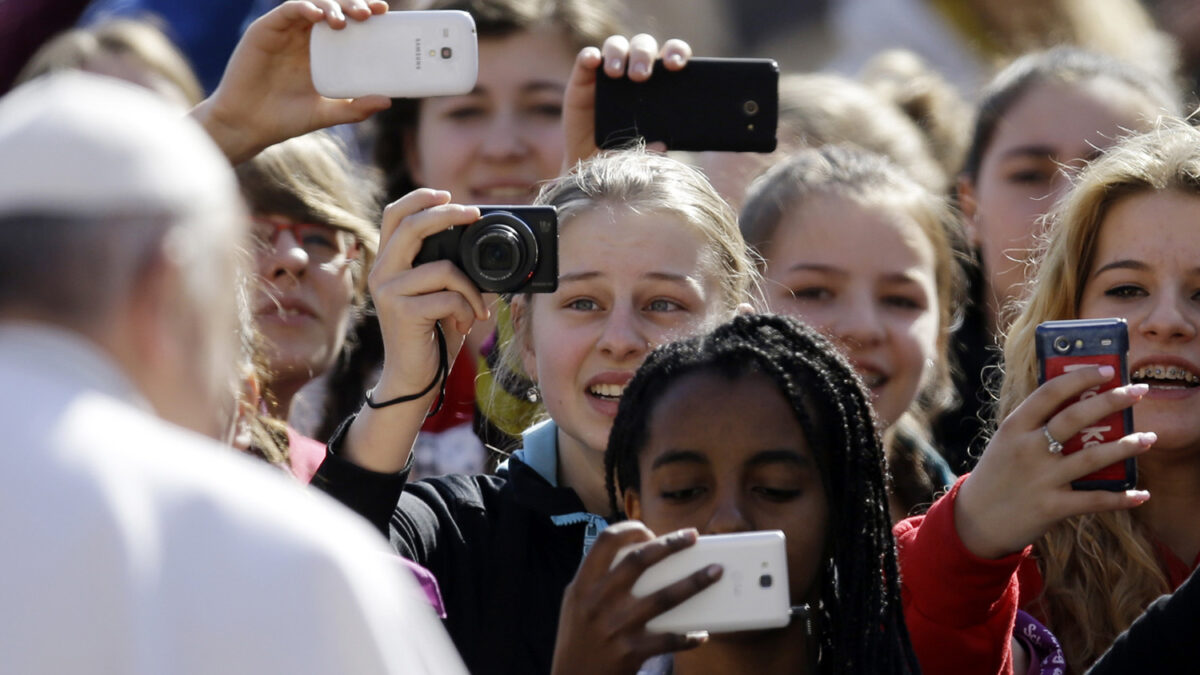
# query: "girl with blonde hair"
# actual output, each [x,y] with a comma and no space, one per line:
[1013,534]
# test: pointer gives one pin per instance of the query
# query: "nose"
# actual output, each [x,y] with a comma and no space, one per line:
[502,138]
[283,257]
[857,323]
[622,338]
[1170,318]
[728,516]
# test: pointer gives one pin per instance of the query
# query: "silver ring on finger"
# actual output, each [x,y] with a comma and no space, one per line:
[1053,446]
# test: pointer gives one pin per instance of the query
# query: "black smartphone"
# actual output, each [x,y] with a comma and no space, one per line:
[510,249]
[1063,346]
[711,104]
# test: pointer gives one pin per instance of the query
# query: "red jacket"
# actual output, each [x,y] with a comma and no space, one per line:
[960,608]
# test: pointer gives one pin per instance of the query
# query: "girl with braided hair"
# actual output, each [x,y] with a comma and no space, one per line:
[760,424]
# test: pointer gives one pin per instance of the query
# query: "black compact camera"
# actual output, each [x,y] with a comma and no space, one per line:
[510,249]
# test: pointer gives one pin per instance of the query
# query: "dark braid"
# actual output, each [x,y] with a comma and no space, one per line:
[862,629]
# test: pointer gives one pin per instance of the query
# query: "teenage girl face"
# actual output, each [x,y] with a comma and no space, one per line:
[1147,270]
[864,276]
[302,302]
[1046,134]
[495,144]
[627,283]
[727,456]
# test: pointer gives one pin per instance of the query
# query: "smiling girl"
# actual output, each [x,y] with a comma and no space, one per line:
[860,251]
[1122,243]
[648,253]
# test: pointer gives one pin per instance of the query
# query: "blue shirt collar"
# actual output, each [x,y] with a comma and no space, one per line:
[539,450]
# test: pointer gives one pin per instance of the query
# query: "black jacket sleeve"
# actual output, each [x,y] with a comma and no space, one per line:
[370,494]
[1162,640]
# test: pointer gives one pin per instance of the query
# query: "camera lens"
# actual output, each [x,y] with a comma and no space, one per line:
[765,581]
[499,252]
[750,108]
[1062,344]
[447,52]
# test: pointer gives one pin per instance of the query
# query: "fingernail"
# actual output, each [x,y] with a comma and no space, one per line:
[675,59]
[614,64]
[1139,389]
[1147,438]
[1107,371]
[1138,496]
[641,69]
[714,571]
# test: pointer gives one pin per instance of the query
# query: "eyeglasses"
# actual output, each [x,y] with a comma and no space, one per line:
[321,243]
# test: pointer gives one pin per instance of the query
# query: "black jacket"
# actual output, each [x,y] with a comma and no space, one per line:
[500,558]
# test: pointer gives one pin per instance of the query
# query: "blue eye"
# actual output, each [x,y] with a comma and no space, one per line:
[663,305]
[583,305]
[811,293]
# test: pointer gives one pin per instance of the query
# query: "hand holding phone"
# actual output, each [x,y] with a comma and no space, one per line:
[751,594]
[410,54]
[1065,346]
[602,626]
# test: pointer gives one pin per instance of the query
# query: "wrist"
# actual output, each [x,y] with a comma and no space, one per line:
[232,140]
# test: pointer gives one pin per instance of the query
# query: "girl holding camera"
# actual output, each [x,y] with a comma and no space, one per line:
[648,253]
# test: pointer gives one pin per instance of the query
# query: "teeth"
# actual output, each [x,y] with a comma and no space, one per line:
[607,390]
[1164,372]
[872,380]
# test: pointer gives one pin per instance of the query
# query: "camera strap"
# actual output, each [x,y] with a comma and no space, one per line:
[440,377]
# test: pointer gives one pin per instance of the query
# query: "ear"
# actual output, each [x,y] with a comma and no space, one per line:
[520,311]
[633,504]
[968,204]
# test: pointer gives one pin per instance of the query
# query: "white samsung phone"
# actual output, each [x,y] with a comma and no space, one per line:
[409,54]
[751,594]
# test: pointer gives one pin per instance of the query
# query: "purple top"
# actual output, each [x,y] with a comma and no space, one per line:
[1045,654]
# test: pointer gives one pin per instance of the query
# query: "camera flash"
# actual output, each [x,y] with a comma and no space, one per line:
[1079,344]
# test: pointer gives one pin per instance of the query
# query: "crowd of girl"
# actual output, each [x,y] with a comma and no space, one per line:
[825,358]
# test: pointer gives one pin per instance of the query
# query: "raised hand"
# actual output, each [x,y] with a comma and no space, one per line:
[1020,489]
[632,57]
[266,94]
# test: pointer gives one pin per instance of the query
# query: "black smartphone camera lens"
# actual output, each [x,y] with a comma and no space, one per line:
[510,249]
[1062,344]
[750,108]
[447,52]
[765,581]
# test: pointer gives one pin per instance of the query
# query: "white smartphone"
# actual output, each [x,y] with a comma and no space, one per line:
[751,594]
[409,54]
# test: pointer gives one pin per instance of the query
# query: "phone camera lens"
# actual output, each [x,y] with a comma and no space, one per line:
[765,581]
[1062,344]
[447,52]
[750,107]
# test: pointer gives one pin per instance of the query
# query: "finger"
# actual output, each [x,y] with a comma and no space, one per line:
[287,15]
[334,15]
[643,49]
[1091,459]
[420,312]
[1035,410]
[579,108]
[414,202]
[675,53]
[627,571]
[403,247]
[333,111]
[355,9]
[378,6]
[651,644]
[434,277]
[657,146]
[672,596]
[1082,414]
[1078,502]
[610,542]
[615,50]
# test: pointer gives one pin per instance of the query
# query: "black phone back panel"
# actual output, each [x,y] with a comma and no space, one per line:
[711,104]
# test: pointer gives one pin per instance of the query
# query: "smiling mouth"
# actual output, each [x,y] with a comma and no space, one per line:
[873,380]
[1162,376]
[607,392]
